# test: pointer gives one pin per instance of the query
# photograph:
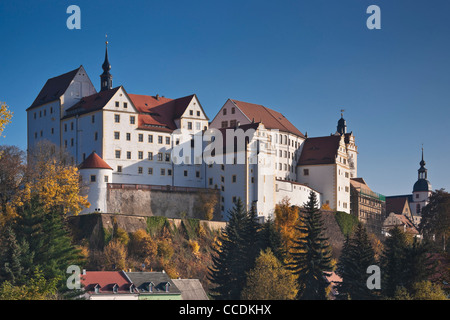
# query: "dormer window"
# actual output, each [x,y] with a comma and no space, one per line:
[97,288]
[166,286]
[115,288]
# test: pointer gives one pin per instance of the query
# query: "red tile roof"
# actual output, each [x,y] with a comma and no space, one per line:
[320,150]
[270,118]
[94,161]
[159,114]
[54,88]
[106,281]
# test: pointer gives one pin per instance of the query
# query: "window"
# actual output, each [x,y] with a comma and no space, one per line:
[185,173]
[128,136]
[346,189]
[150,171]
[198,113]
[93,177]
[346,174]
[197,174]
[167,157]
[417,195]
[150,138]
[117,104]
[163,171]
[234,200]
[119,168]
[160,156]
[117,154]
[189,124]
[140,155]
[117,118]
[233,178]
[224,111]
[141,137]
[198,125]
[132,119]
[95,135]
[233,123]
[224,124]
[93,119]
[53,130]
[65,127]
[160,139]
[191,112]
[233,110]
[71,140]
[210,181]
[150,156]
[306,172]
[125,105]
[169,172]
[418,208]
[139,170]
[167,140]
[106,178]
[222,178]
[116,135]
[128,154]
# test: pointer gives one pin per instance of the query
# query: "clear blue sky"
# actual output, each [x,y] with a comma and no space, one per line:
[306,59]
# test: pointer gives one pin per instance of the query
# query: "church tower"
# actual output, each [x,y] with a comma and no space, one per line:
[106,77]
[421,190]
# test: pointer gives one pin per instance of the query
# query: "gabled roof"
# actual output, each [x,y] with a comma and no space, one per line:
[396,204]
[191,289]
[159,279]
[159,113]
[105,280]
[54,88]
[320,150]
[270,118]
[92,103]
[94,161]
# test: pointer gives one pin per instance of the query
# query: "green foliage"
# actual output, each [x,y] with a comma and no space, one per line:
[269,280]
[403,263]
[37,288]
[311,254]
[191,227]
[423,290]
[156,224]
[346,222]
[357,255]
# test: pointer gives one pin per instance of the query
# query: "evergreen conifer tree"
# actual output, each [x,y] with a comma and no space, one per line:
[228,270]
[311,257]
[357,255]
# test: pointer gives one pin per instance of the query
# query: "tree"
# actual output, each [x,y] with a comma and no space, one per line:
[49,242]
[270,238]
[37,288]
[435,222]
[357,255]
[115,255]
[311,253]
[423,290]
[403,262]
[5,116]
[142,246]
[55,184]
[286,217]
[269,280]
[12,174]
[228,269]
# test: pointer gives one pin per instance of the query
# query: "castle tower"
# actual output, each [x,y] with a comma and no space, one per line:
[106,77]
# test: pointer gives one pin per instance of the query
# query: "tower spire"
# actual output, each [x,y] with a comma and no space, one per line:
[342,125]
[106,77]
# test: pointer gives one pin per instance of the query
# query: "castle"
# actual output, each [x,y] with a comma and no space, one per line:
[246,151]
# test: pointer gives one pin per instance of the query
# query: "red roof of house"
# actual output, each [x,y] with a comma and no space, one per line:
[106,281]
[159,113]
[270,118]
[396,204]
[54,88]
[320,150]
[94,161]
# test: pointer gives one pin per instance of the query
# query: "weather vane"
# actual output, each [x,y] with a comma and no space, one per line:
[342,112]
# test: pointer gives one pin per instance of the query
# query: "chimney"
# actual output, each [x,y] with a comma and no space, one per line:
[84,272]
[157,97]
